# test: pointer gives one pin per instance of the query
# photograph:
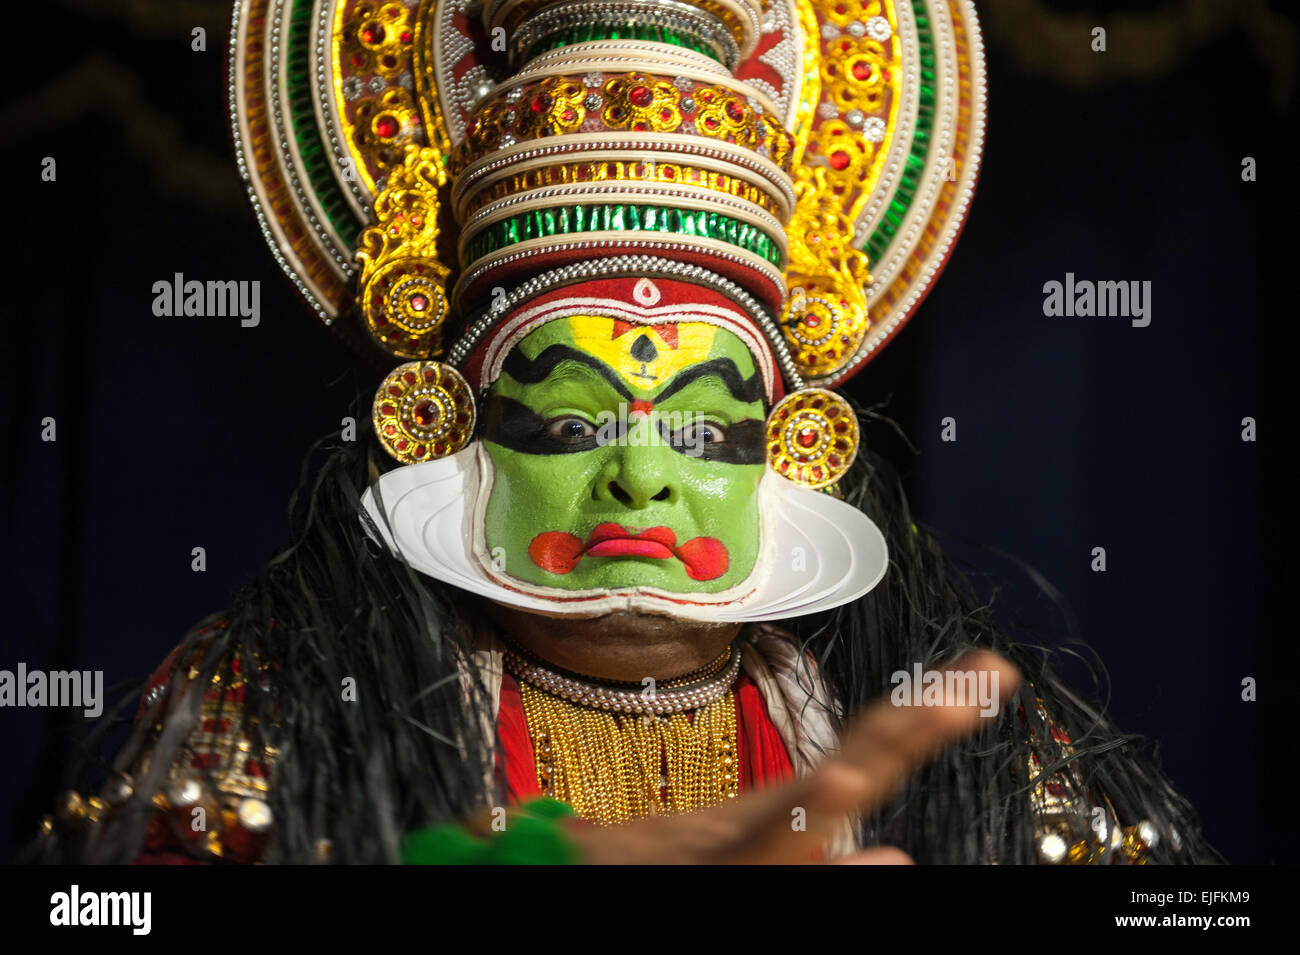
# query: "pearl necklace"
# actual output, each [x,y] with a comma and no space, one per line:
[690,692]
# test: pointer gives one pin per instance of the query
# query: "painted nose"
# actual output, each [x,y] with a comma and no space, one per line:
[638,477]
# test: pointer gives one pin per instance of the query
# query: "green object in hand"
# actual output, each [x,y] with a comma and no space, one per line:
[533,836]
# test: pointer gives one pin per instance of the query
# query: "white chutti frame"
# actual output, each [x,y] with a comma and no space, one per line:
[818,552]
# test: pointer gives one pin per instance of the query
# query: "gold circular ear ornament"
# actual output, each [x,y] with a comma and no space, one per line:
[424,410]
[812,437]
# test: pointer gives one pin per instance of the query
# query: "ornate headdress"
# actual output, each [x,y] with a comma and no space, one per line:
[439,178]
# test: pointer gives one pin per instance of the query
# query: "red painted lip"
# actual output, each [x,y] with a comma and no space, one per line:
[559,552]
[629,547]
[664,538]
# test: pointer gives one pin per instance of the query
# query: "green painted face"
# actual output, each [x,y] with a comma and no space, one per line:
[626,456]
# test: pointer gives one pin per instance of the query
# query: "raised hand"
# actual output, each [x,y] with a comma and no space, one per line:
[881,748]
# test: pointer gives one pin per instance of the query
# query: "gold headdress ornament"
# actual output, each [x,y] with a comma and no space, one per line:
[424,170]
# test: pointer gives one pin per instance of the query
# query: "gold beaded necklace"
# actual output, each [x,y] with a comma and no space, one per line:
[612,767]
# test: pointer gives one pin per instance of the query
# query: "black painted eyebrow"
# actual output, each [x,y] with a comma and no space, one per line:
[529,371]
[742,389]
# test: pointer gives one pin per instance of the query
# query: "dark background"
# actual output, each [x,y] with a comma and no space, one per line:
[1073,433]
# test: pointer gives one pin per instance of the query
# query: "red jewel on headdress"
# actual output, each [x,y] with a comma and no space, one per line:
[641,96]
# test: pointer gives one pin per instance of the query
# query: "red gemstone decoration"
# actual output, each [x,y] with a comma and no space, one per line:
[373,34]
[806,438]
[641,96]
[861,70]
[419,302]
[387,410]
[812,321]
[542,102]
[735,110]
[406,37]
[386,127]
[839,159]
[426,414]
[409,377]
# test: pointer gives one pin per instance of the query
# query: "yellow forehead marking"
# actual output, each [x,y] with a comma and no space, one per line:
[645,356]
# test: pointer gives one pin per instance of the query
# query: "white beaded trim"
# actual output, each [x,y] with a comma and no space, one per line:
[644,265]
[661,702]
[280,252]
[290,160]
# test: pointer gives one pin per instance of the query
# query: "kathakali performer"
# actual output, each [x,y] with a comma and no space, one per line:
[608,574]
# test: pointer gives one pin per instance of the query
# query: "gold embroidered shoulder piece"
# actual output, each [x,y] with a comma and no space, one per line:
[211,802]
[1075,826]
